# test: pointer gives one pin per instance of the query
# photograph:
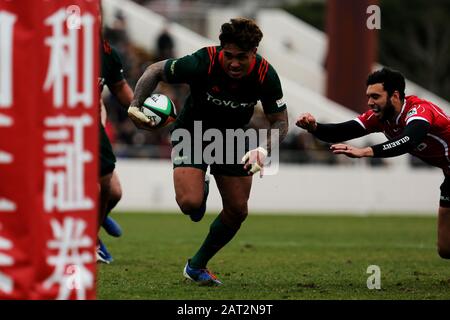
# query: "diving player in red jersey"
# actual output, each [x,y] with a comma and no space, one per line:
[411,124]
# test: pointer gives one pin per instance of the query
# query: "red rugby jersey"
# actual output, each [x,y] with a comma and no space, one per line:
[434,149]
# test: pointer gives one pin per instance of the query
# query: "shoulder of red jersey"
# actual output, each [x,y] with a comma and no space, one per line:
[369,121]
[419,109]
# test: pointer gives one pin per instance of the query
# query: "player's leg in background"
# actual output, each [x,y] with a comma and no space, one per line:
[103,254]
[114,184]
[116,192]
[189,186]
[107,166]
[109,224]
[444,232]
[235,192]
[105,195]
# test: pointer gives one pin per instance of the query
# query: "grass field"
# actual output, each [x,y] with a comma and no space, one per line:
[278,257]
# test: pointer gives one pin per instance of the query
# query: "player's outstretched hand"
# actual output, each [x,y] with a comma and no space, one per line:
[351,152]
[307,121]
[139,119]
[254,161]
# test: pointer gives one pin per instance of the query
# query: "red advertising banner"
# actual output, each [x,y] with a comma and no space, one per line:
[48,148]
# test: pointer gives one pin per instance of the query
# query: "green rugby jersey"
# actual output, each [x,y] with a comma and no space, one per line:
[112,69]
[111,73]
[218,100]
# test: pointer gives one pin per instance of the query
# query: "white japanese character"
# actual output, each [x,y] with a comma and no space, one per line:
[64,162]
[7,21]
[5,157]
[64,60]
[6,283]
[7,205]
[70,272]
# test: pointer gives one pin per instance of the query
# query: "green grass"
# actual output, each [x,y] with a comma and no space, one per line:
[278,257]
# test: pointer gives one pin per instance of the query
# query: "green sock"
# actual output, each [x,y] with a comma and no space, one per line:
[219,235]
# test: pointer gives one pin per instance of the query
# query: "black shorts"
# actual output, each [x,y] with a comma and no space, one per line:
[107,157]
[445,193]
[227,167]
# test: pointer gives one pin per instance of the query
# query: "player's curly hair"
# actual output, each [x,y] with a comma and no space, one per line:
[392,80]
[242,32]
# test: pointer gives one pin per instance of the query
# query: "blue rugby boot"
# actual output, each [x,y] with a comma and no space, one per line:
[112,227]
[103,255]
[203,277]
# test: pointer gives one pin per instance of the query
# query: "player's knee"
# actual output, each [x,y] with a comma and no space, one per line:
[189,204]
[105,186]
[444,251]
[113,201]
[237,213]
[105,181]
[116,189]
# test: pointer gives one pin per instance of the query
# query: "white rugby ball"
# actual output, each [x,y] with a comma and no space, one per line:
[160,109]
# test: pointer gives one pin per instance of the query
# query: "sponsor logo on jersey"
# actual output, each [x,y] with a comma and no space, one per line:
[421,146]
[228,103]
[180,159]
[394,144]
[280,103]
[411,112]
[172,67]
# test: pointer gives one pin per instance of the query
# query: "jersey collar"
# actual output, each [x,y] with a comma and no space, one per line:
[400,114]
[252,66]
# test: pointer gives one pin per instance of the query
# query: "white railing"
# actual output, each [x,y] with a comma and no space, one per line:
[300,37]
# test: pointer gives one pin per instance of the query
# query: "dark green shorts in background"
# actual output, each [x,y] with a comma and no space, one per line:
[107,157]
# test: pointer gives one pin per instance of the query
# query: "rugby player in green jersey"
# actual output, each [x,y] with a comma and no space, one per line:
[110,189]
[226,82]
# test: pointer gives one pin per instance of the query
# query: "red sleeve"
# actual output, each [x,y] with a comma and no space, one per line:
[369,121]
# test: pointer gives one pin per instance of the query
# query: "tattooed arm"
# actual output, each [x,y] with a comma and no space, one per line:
[278,121]
[144,88]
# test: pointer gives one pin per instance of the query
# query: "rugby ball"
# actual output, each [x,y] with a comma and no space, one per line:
[160,109]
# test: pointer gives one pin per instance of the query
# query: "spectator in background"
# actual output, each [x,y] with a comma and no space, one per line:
[117,32]
[165,45]
[117,36]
